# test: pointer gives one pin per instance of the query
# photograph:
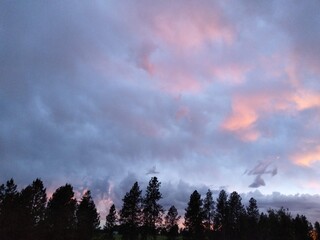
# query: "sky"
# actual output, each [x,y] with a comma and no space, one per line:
[203,94]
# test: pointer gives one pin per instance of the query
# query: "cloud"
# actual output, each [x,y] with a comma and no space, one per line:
[306,99]
[262,168]
[303,204]
[152,171]
[258,182]
[307,158]
[198,89]
[242,117]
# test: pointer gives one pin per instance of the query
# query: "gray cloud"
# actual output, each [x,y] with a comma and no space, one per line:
[152,171]
[305,204]
[258,182]
[262,168]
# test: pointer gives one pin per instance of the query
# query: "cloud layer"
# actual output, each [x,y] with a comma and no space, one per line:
[94,92]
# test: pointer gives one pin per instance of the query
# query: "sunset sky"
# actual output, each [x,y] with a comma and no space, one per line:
[209,94]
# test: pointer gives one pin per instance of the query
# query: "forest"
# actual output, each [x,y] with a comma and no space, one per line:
[29,214]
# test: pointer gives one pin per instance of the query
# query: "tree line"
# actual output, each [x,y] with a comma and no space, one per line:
[29,214]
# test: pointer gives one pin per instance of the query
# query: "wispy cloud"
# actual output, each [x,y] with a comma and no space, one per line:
[262,168]
[152,171]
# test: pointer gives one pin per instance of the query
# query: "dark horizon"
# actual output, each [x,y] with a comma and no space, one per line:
[142,214]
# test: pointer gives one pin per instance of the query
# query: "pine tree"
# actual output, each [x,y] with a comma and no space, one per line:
[130,214]
[111,221]
[302,227]
[263,226]
[253,210]
[208,210]
[87,216]
[279,224]
[33,201]
[61,214]
[152,210]
[285,223]
[317,230]
[235,215]
[9,219]
[2,194]
[252,219]
[194,217]
[220,219]
[171,223]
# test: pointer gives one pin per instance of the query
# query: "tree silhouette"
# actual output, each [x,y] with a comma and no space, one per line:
[33,201]
[253,210]
[194,217]
[221,215]
[9,218]
[235,215]
[2,195]
[171,223]
[317,230]
[61,214]
[152,210]
[87,217]
[208,211]
[252,219]
[285,223]
[111,221]
[302,227]
[280,224]
[263,226]
[24,215]
[130,214]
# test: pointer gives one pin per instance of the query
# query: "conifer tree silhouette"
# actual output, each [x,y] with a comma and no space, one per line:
[130,214]
[87,217]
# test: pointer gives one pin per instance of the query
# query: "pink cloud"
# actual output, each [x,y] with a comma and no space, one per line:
[243,116]
[245,113]
[308,157]
[176,37]
[186,27]
[292,95]
[305,99]
[248,109]
[249,135]
[231,73]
